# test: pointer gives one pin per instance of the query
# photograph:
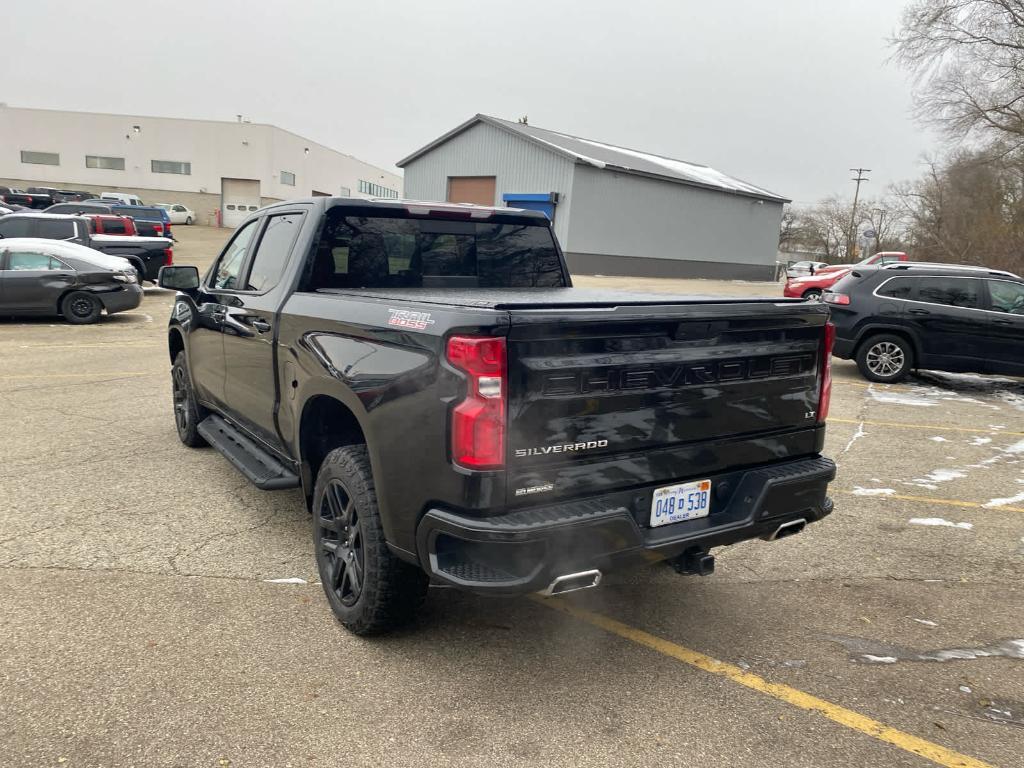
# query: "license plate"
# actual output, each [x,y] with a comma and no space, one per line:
[676,503]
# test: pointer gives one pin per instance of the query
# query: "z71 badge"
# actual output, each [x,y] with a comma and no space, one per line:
[405,318]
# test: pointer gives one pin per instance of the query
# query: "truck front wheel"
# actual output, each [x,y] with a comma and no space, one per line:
[368,588]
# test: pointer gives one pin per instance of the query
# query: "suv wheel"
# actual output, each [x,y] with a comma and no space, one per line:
[885,358]
[187,411]
[80,307]
[369,589]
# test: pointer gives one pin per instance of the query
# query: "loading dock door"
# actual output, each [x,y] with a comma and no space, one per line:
[238,198]
[471,189]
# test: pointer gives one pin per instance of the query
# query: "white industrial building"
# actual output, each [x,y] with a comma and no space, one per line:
[208,165]
[616,211]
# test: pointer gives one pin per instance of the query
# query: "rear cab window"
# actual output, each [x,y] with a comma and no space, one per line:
[401,249]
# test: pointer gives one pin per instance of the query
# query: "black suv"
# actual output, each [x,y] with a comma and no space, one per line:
[905,316]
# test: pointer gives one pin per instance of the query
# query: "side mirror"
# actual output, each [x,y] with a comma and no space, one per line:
[178,278]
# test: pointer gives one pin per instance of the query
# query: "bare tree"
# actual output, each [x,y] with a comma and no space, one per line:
[968,57]
[968,209]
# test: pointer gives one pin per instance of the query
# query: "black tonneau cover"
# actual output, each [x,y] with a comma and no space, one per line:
[543,298]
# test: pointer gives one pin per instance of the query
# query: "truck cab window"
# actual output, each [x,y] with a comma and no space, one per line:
[230,265]
[402,250]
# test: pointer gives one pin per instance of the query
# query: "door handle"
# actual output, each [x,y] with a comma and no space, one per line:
[918,312]
[262,326]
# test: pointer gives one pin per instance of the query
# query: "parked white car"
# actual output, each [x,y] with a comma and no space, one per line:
[804,268]
[121,197]
[179,213]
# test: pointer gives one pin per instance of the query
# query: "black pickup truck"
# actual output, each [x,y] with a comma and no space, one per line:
[146,254]
[454,411]
[20,197]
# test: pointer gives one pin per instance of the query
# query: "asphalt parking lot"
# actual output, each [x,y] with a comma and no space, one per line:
[143,621]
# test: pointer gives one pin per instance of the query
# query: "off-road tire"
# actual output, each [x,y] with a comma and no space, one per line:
[347,534]
[81,307]
[187,411]
[885,358]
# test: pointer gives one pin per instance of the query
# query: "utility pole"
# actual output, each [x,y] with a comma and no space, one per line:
[878,230]
[851,241]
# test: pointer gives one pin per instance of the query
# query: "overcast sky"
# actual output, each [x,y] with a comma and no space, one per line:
[788,95]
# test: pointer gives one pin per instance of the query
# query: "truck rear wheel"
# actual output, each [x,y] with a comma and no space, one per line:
[369,589]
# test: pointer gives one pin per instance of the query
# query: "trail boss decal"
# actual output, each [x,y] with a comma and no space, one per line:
[544,450]
[405,318]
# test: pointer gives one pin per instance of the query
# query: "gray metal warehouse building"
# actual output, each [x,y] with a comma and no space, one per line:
[616,211]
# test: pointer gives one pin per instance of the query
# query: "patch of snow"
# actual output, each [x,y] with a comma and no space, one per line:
[1003,502]
[887,397]
[1015,448]
[856,436]
[858,491]
[879,659]
[981,441]
[939,521]
[938,439]
[289,580]
[965,689]
[940,476]
[926,622]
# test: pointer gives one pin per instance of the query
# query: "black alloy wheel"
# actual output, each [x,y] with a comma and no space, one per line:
[341,543]
[187,412]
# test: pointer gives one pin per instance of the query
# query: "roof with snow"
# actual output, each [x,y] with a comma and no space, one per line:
[611,157]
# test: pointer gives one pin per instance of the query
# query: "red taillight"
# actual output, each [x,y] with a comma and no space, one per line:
[825,396]
[168,256]
[835,298]
[478,422]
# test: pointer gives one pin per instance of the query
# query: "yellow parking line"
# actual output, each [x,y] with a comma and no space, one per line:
[942,502]
[76,375]
[904,425]
[845,717]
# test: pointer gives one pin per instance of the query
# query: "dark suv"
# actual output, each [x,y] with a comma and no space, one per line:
[901,317]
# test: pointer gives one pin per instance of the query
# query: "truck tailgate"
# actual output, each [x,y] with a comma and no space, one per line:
[635,394]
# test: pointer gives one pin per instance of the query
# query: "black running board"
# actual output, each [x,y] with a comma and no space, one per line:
[258,466]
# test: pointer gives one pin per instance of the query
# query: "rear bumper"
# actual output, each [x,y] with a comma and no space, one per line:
[523,551]
[844,348]
[128,297]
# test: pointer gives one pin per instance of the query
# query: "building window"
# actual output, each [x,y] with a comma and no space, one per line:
[170,166]
[345,192]
[287,177]
[376,190]
[40,158]
[105,163]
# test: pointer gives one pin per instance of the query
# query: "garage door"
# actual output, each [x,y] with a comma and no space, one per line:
[471,189]
[239,198]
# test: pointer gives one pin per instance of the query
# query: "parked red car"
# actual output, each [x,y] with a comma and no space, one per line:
[108,224]
[812,286]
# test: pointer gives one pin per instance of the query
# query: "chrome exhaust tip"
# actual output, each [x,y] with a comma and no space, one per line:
[571,582]
[789,528]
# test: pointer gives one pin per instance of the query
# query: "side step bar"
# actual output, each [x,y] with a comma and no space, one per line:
[258,466]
